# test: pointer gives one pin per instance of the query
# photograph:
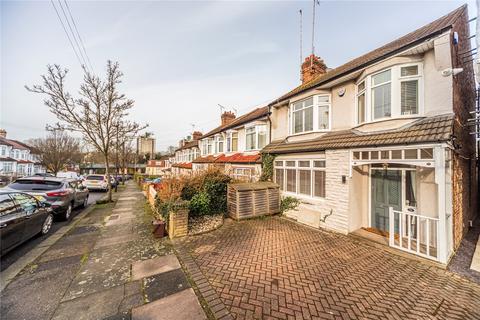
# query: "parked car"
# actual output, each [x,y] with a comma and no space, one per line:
[22,217]
[63,194]
[96,182]
[44,174]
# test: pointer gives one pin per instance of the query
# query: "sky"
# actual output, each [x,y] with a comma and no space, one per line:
[181,59]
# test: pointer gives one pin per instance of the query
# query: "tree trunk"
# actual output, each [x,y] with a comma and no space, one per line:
[107,173]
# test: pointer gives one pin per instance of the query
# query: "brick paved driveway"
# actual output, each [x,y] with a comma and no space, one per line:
[274,269]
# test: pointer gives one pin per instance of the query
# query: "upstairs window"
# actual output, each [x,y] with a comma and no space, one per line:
[219,143]
[382,94]
[361,111]
[409,79]
[391,93]
[303,116]
[312,114]
[232,141]
[324,112]
[256,137]
[209,146]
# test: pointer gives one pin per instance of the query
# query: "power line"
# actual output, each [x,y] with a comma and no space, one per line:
[66,32]
[73,34]
[78,34]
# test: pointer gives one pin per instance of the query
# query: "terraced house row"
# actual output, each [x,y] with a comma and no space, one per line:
[379,144]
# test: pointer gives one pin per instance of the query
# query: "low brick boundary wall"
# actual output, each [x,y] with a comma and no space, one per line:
[178,223]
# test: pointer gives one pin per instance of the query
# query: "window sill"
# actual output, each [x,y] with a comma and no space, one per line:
[309,132]
[304,199]
[385,119]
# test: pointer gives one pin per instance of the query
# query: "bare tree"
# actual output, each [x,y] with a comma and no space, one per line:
[57,150]
[96,113]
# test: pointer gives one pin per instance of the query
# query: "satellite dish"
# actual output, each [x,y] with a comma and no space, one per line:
[341,92]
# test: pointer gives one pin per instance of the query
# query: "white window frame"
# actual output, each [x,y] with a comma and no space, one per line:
[297,168]
[229,141]
[358,93]
[219,138]
[395,82]
[258,128]
[316,106]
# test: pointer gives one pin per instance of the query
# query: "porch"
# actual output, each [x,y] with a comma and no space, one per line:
[404,197]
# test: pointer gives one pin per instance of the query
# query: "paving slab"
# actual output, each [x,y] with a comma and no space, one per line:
[36,293]
[104,242]
[70,246]
[164,284]
[127,198]
[95,306]
[179,306]
[142,269]
[109,266]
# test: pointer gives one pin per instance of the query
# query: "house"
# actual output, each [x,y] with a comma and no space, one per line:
[159,167]
[235,145]
[18,159]
[381,143]
[187,151]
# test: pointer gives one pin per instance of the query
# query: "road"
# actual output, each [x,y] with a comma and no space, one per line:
[19,251]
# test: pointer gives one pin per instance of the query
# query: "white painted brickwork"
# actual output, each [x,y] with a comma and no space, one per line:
[336,197]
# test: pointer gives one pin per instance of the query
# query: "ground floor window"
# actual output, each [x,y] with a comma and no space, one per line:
[244,174]
[303,177]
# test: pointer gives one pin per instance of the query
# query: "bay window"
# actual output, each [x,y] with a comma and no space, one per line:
[361,112]
[256,137]
[219,141]
[232,141]
[394,92]
[382,94]
[311,114]
[209,146]
[303,116]
[409,79]
[301,177]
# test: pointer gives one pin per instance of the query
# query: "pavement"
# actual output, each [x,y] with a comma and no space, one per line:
[466,261]
[107,266]
[272,268]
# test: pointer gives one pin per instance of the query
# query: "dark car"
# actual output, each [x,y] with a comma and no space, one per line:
[21,217]
[63,194]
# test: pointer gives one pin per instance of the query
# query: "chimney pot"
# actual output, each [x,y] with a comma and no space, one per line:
[3,133]
[196,135]
[227,117]
[312,67]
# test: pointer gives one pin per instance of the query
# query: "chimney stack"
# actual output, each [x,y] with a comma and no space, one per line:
[227,117]
[312,67]
[181,143]
[3,133]
[196,135]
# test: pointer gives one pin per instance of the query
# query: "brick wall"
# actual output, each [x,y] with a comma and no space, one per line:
[178,223]
[464,186]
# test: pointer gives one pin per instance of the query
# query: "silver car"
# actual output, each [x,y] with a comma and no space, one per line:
[62,194]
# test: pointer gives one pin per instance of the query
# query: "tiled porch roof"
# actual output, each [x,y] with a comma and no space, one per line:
[7,159]
[426,130]
[183,165]
[234,158]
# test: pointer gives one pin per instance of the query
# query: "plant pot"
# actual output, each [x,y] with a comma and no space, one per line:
[159,229]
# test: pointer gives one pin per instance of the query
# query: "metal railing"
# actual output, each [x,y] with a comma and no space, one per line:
[414,233]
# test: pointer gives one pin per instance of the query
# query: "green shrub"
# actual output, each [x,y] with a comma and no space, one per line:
[200,204]
[207,192]
[289,203]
